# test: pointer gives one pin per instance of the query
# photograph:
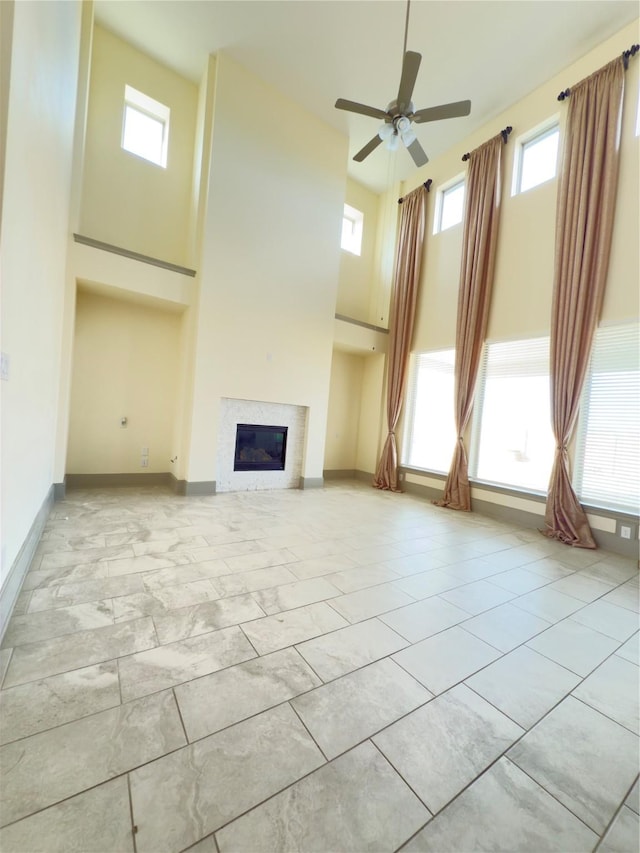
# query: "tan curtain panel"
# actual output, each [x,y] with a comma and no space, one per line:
[584,224]
[474,296]
[403,309]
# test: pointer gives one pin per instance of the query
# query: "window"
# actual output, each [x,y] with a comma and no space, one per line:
[607,469]
[536,159]
[514,444]
[430,434]
[352,223]
[449,206]
[145,128]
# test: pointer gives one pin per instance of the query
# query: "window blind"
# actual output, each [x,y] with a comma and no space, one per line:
[607,469]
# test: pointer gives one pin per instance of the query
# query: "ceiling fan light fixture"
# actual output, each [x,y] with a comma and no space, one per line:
[393,141]
[408,136]
[385,131]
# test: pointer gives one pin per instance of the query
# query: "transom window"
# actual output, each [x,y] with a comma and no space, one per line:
[536,159]
[449,206]
[145,127]
[352,226]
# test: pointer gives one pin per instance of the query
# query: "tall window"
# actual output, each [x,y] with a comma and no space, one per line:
[145,127]
[513,442]
[352,226]
[607,469]
[430,434]
[536,159]
[449,206]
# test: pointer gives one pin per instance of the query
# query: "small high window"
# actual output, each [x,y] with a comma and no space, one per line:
[536,159]
[352,224]
[145,127]
[449,206]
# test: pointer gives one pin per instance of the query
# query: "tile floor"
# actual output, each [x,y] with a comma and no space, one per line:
[329,670]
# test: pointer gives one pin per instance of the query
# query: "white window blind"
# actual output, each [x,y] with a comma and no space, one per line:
[607,469]
[429,434]
[513,442]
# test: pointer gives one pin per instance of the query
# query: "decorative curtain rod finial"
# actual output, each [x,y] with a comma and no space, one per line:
[627,54]
[505,135]
[426,185]
[564,94]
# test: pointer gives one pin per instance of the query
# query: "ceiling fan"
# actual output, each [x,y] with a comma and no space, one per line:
[400,114]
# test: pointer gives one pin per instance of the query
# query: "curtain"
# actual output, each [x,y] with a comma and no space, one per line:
[474,295]
[584,224]
[403,309]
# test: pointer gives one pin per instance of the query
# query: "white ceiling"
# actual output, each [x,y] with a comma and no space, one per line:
[491,51]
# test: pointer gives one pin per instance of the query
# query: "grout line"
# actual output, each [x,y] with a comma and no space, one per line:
[134,828]
[308,730]
[6,669]
[184,728]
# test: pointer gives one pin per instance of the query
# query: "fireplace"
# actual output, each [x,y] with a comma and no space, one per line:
[260,447]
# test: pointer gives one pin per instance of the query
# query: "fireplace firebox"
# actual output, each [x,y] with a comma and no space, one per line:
[260,448]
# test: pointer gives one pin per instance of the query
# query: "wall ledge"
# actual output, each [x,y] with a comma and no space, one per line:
[135,256]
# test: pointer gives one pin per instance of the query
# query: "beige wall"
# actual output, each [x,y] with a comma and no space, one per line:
[521,300]
[343,419]
[269,271]
[357,273]
[44,53]
[125,364]
[126,200]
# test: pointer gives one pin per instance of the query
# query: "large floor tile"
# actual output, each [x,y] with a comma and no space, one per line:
[424,618]
[504,810]
[184,622]
[174,663]
[260,560]
[582,758]
[609,619]
[187,573]
[583,587]
[524,685]
[624,833]
[612,689]
[148,563]
[242,582]
[53,765]
[84,555]
[350,648]
[292,626]
[48,657]
[352,580]
[631,649]
[328,812]
[443,746]
[548,604]
[163,600]
[32,627]
[318,566]
[574,646]
[365,603]
[66,595]
[477,597]
[187,795]
[40,705]
[296,594]
[95,821]
[443,660]
[626,595]
[428,583]
[216,701]
[519,580]
[348,710]
[506,626]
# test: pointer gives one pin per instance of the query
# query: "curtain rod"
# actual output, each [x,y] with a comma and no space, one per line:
[426,185]
[505,135]
[626,56]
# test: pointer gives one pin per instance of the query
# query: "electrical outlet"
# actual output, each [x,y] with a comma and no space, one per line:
[144,462]
[625,531]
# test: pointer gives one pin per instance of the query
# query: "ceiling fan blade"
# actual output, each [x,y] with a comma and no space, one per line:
[410,66]
[459,108]
[362,109]
[417,152]
[368,148]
